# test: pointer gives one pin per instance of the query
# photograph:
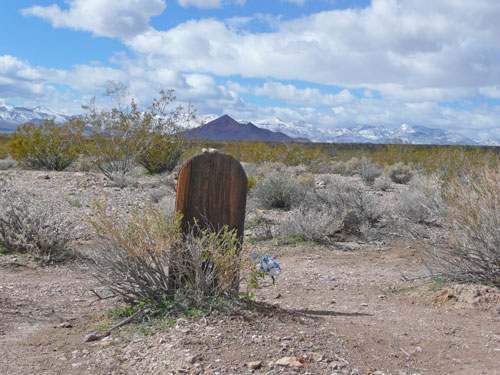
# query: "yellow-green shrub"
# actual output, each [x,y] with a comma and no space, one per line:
[163,154]
[120,138]
[48,146]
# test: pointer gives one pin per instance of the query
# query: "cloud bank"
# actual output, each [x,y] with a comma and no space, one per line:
[413,61]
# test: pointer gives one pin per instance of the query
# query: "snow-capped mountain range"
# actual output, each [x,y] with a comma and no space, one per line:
[369,134]
[11,117]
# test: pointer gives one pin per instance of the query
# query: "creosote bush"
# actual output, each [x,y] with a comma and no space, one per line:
[120,138]
[147,260]
[28,226]
[48,146]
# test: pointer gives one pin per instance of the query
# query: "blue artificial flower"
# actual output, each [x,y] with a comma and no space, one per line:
[267,264]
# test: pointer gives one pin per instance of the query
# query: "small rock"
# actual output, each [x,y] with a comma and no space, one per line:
[65,325]
[192,359]
[43,177]
[337,365]
[254,365]
[364,304]
[91,337]
[320,358]
[291,362]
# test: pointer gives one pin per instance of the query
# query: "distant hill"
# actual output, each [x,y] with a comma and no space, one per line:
[226,128]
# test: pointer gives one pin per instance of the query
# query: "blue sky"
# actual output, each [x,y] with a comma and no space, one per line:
[330,63]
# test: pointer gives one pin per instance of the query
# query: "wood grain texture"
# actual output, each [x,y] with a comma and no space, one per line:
[212,188]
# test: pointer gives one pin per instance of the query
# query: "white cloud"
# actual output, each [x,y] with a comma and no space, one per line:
[207,4]
[298,2]
[427,49]
[124,18]
[19,80]
[201,3]
[307,96]
[490,91]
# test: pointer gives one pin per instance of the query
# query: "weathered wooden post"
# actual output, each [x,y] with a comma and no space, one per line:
[212,190]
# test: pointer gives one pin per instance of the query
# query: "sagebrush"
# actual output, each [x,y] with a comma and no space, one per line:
[30,226]
[146,259]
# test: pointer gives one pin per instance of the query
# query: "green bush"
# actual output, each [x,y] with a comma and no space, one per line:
[48,146]
[163,154]
[120,138]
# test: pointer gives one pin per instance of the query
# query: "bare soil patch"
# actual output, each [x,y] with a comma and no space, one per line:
[340,312]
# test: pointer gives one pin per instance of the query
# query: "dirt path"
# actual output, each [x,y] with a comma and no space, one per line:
[342,312]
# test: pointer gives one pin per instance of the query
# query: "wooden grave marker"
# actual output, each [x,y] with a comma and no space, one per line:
[212,190]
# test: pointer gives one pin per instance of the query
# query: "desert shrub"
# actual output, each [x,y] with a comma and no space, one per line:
[363,167]
[473,254]
[4,149]
[30,227]
[48,146]
[123,180]
[7,163]
[422,202]
[382,183]
[163,154]
[147,260]
[351,197]
[369,170]
[270,167]
[278,190]
[157,194]
[120,138]
[338,167]
[399,173]
[356,206]
[312,223]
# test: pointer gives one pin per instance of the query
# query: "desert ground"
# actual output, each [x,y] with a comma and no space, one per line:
[357,305]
